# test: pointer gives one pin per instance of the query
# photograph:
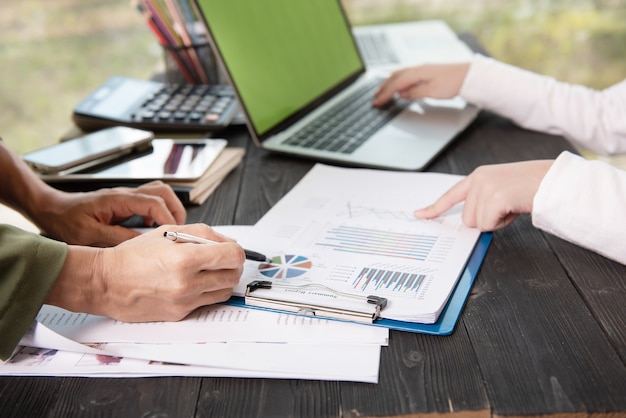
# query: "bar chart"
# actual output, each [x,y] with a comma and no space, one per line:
[371,279]
[360,240]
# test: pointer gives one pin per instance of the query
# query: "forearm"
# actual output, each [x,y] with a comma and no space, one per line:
[21,188]
[583,202]
[592,119]
[78,287]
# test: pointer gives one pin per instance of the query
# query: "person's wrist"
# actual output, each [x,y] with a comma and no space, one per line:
[536,178]
[45,206]
[80,282]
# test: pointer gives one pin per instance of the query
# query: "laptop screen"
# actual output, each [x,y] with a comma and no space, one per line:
[282,55]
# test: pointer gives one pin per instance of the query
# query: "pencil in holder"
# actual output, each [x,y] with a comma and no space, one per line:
[193,64]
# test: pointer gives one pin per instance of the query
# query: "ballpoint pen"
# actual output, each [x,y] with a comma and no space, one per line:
[182,237]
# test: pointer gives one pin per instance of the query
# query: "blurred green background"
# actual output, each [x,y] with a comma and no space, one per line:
[53,53]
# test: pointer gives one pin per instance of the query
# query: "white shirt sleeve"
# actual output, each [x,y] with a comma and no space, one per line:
[584,202]
[593,119]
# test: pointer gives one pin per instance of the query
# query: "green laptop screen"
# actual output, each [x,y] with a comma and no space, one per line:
[281,54]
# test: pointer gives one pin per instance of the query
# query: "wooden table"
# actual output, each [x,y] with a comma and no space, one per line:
[543,332]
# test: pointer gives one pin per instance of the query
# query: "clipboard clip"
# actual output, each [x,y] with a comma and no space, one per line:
[368,314]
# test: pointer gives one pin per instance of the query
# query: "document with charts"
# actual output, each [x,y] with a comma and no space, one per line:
[343,232]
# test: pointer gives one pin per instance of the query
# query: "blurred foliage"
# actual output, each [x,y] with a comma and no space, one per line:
[55,52]
[578,41]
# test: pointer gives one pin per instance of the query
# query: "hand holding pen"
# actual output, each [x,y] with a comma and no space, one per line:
[148,278]
[182,237]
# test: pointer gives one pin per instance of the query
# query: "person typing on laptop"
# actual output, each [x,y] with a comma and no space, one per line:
[579,200]
[305,90]
[136,278]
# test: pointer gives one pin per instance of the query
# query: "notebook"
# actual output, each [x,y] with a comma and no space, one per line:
[294,64]
[397,45]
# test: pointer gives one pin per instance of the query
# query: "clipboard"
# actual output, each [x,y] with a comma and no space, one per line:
[366,309]
[446,321]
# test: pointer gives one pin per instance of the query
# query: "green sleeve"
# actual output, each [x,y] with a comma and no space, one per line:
[29,266]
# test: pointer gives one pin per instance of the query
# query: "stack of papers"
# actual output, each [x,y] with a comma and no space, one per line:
[340,235]
[197,191]
[216,341]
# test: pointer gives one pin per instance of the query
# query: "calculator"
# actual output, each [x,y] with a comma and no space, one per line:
[156,106]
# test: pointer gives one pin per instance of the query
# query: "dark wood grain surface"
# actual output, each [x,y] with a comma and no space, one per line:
[542,334]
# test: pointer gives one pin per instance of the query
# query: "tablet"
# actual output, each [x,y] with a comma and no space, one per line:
[166,159]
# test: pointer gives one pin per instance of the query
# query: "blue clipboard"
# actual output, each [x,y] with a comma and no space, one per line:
[451,312]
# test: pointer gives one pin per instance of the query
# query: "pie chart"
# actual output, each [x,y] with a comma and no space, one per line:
[285,266]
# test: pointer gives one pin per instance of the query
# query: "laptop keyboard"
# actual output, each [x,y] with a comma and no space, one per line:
[347,125]
[376,49]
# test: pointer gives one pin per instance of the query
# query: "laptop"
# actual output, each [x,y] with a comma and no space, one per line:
[397,45]
[298,74]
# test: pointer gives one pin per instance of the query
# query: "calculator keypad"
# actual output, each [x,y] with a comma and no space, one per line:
[187,104]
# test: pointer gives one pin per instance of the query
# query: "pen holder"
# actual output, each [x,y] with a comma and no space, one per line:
[195,64]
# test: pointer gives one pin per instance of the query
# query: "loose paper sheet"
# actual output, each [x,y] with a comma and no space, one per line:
[215,341]
[64,357]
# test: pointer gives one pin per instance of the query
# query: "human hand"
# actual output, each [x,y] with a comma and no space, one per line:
[93,218]
[494,195]
[437,81]
[149,278]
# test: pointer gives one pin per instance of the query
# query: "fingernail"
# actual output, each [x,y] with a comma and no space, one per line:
[419,213]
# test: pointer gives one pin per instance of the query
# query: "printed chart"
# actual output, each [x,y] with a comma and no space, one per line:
[370,279]
[285,266]
[352,239]
[355,210]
